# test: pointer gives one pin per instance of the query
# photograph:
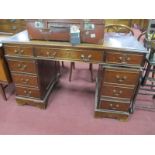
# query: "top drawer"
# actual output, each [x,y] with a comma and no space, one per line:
[19,50]
[121,76]
[124,58]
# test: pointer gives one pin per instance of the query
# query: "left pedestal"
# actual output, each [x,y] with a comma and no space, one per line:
[34,79]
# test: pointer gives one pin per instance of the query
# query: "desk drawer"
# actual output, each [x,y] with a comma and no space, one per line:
[19,50]
[116,91]
[121,76]
[28,92]
[11,28]
[12,21]
[111,105]
[87,56]
[22,66]
[25,80]
[46,52]
[82,55]
[124,58]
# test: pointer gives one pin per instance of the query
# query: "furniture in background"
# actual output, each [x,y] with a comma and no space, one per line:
[34,69]
[119,28]
[5,77]
[148,77]
[142,24]
[148,41]
[8,27]
[12,26]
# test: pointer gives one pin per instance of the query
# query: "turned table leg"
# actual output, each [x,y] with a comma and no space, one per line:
[2,89]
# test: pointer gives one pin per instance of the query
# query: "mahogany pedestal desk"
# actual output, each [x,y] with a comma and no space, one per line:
[35,69]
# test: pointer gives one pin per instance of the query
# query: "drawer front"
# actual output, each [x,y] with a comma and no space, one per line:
[115,91]
[82,55]
[19,50]
[46,52]
[28,92]
[25,80]
[22,66]
[87,56]
[124,58]
[121,76]
[110,105]
[12,28]
[12,21]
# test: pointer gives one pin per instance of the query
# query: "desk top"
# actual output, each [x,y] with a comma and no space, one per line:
[113,41]
[3,37]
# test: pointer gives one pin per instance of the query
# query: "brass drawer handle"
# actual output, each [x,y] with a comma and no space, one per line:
[124,77]
[86,59]
[27,92]
[117,105]
[16,51]
[21,51]
[113,107]
[121,59]
[82,56]
[121,79]
[116,92]
[50,54]
[30,92]
[25,80]
[89,56]
[22,67]
[128,59]
[19,65]
[124,59]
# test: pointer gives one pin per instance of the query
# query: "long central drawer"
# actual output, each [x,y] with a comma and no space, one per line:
[60,53]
